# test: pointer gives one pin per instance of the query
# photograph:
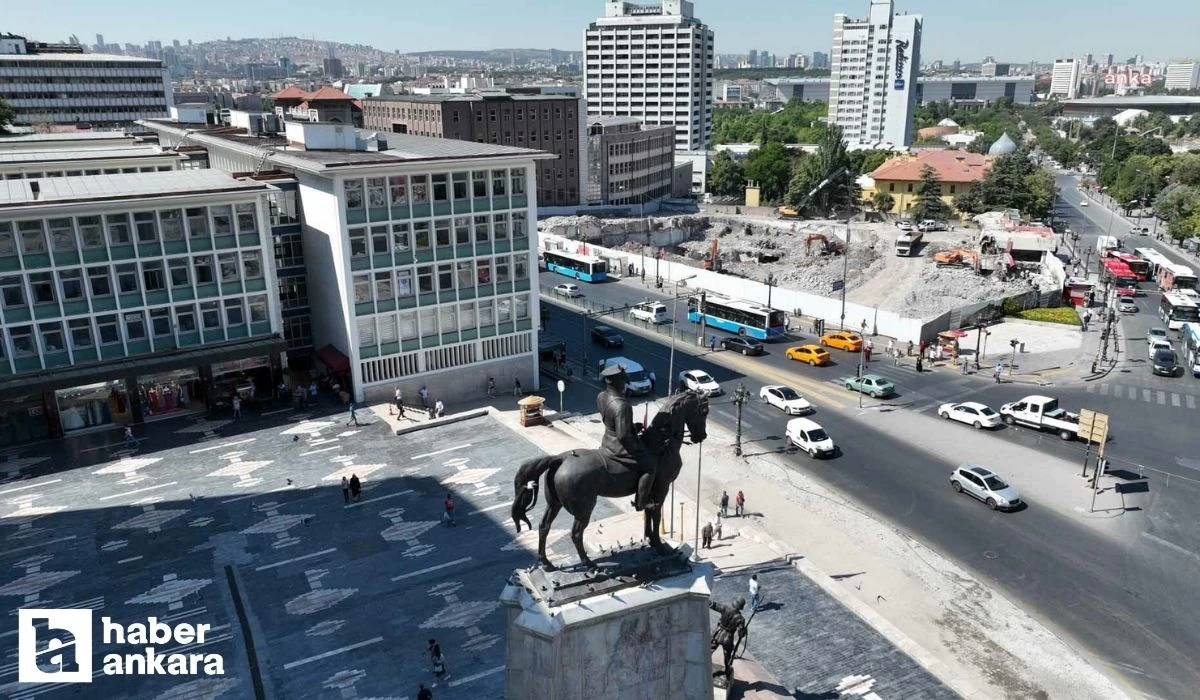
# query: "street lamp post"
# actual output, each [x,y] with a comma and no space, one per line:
[739,399]
[770,283]
[1014,343]
[862,361]
[674,318]
[845,271]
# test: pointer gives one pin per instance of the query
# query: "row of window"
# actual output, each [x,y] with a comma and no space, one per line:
[446,318]
[96,96]
[390,285]
[38,236]
[402,190]
[88,171]
[73,81]
[421,235]
[133,326]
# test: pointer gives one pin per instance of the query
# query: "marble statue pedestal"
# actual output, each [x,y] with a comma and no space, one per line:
[626,634]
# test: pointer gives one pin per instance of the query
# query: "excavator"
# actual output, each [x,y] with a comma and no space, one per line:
[828,247]
[958,257]
[712,262]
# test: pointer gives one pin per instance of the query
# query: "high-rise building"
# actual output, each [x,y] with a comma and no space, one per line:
[1183,75]
[752,59]
[99,42]
[991,69]
[333,67]
[1064,80]
[820,59]
[669,56]
[1108,60]
[876,61]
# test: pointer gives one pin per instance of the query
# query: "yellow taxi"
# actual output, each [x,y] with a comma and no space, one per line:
[812,354]
[843,340]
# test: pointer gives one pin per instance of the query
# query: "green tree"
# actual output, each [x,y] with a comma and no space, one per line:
[797,122]
[1004,186]
[1185,169]
[1042,193]
[1137,180]
[6,116]
[883,202]
[929,203]
[981,144]
[841,193]
[872,159]
[1177,202]
[771,167]
[726,178]
[969,201]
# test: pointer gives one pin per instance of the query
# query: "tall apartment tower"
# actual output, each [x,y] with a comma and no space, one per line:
[653,63]
[1182,75]
[873,76]
[1064,80]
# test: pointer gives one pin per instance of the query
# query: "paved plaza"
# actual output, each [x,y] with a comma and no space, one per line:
[339,601]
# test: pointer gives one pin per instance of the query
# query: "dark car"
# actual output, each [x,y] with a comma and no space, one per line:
[1165,363]
[742,344]
[607,337]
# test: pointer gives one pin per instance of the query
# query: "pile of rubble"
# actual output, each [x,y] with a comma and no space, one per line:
[939,290]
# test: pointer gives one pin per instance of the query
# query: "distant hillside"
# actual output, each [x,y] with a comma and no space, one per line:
[497,55]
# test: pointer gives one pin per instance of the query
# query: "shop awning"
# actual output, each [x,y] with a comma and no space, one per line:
[333,359]
[141,365]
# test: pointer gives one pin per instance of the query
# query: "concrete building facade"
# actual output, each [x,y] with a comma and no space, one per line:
[873,77]
[1064,79]
[653,63]
[1018,88]
[76,88]
[1183,75]
[133,296]
[627,162]
[554,123]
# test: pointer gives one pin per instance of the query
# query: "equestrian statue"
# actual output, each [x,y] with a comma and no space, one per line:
[630,461]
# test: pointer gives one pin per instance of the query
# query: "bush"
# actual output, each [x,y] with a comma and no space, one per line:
[1062,314]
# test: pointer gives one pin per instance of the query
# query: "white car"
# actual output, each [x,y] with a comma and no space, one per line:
[1126,305]
[785,399]
[567,290]
[1083,203]
[982,483]
[650,312]
[971,413]
[1155,345]
[810,437]
[699,381]
[1156,334]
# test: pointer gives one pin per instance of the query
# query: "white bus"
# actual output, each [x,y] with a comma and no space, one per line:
[1190,339]
[1178,308]
[1174,276]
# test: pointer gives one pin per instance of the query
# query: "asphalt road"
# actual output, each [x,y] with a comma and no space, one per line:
[1133,607]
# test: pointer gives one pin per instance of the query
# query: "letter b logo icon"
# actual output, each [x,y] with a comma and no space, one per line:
[54,646]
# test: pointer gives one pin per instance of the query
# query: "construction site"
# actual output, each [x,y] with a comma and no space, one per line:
[990,259]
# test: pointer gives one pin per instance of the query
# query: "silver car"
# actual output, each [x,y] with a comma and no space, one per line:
[984,485]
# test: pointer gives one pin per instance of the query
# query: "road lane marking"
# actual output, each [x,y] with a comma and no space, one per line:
[1175,400]
[426,570]
[476,676]
[130,493]
[1146,396]
[323,449]
[378,498]
[441,452]
[1162,398]
[1190,400]
[498,506]
[332,652]
[6,552]
[126,561]
[31,486]
[221,446]
[302,557]
[1117,391]
[1104,390]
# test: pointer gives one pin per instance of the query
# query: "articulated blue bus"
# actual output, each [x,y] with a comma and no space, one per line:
[581,267]
[738,316]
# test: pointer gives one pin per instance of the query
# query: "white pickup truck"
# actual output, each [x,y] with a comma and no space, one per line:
[1043,413]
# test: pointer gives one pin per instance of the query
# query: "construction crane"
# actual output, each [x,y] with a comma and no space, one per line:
[790,212]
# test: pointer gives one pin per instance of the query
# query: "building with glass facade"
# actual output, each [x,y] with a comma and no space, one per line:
[127,297]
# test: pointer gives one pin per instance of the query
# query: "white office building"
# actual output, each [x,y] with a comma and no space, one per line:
[81,88]
[653,63]
[1183,76]
[1064,81]
[873,77]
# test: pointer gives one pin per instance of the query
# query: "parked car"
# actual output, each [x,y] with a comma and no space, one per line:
[1156,334]
[1126,305]
[785,399]
[1154,345]
[567,290]
[607,336]
[743,344]
[699,381]
[971,413]
[1042,413]
[1139,231]
[812,354]
[1165,363]
[650,312]
[931,225]
[904,225]
[872,385]
[983,484]
[843,340]
[810,437]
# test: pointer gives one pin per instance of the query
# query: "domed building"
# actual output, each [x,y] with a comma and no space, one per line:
[1003,146]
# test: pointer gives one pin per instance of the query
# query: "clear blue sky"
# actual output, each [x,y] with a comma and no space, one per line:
[1015,30]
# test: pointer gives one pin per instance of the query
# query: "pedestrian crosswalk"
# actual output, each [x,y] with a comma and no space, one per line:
[1138,394]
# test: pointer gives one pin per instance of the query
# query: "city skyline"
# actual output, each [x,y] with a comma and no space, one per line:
[1020,34]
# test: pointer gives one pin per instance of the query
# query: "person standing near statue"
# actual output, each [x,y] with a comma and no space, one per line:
[621,442]
[731,629]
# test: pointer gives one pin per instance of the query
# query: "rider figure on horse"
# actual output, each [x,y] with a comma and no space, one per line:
[621,442]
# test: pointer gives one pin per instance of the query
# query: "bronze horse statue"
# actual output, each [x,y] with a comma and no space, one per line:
[575,479]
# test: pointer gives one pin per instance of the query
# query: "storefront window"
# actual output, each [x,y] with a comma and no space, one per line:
[241,377]
[93,405]
[170,392]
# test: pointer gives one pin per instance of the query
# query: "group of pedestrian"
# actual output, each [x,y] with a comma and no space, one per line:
[739,505]
[351,488]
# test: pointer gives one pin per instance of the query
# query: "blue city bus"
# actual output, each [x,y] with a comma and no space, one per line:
[581,267]
[738,316]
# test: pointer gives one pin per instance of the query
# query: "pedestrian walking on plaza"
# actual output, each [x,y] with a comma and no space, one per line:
[439,665]
[964,364]
[754,596]
[920,364]
[312,391]
[724,502]
[345,489]
[910,346]
[717,528]
[706,534]
[439,409]
[424,693]
[398,398]
[353,416]
[448,505]
[866,354]
[237,406]
[739,504]
[355,487]
[870,345]
[424,392]
[491,387]
[998,372]
[130,440]
[435,650]
[653,381]
[712,343]
[891,346]
[517,390]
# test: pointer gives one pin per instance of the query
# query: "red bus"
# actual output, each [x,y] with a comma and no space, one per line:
[1140,268]
[1122,278]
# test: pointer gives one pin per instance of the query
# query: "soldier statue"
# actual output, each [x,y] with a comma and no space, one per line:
[622,442]
[731,629]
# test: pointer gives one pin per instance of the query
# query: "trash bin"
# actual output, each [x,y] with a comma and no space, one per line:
[1022,347]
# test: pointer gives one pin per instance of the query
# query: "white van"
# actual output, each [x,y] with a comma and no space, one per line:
[810,437]
[639,381]
[650,312]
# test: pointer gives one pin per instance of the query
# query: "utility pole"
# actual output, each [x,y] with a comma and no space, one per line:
[739,399]
[1014,343]
[845,271]
[703,317]
[770,283]
[585,343]
[862,361]
[674,318]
